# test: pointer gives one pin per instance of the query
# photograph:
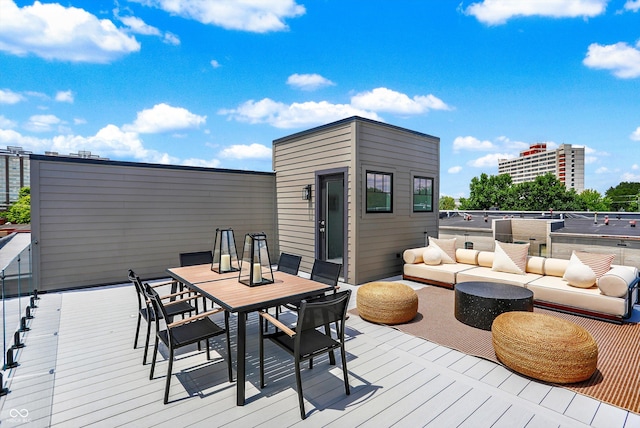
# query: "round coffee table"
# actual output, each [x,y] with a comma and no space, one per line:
[478,303]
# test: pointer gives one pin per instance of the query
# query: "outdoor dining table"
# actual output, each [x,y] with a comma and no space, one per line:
[228,292]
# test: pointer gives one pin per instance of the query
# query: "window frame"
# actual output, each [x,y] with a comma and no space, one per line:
[428,179]
[389,209]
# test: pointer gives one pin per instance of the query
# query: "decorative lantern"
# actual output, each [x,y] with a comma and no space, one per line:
[225,256]
[255,268]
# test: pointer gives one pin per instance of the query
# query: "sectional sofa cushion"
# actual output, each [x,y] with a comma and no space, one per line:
[413,255]
[615,283]
[447,248]
[432,256]
[469,257]
[510,258]
[579,275]
[599,263]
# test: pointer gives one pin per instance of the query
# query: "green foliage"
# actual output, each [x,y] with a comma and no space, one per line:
[544,193]
[446,203]
[20,211]
[624,197]
[487,192]
[592,200]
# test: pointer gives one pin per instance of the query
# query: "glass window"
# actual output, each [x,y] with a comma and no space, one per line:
[379,192]
[422,194]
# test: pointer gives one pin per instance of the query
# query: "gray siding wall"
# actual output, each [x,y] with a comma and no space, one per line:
[94,220]
[381,238]
[296,161]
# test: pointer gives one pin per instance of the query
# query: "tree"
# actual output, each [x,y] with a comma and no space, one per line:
[592,200]
[624,197]
[544,193]
[20,211]
[487,192]
[446,203]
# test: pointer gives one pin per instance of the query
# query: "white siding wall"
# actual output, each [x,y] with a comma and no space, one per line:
[93,219]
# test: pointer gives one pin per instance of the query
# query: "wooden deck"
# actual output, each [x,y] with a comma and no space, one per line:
[79,368]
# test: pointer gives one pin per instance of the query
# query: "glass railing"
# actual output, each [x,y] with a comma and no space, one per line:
[19,298]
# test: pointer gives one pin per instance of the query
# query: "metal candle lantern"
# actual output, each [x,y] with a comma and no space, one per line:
[255,268]
[225,256]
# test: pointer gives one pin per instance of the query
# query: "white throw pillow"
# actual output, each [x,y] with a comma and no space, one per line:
[447,248]
[510,258]
[579,275]
[599,263]
[616,282]
[432,256]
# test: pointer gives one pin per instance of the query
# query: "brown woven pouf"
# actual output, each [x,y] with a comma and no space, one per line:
[387,302]
[544,347]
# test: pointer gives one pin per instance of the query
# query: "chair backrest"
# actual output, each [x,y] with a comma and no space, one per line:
[156,303]
[137,283]
[320,313]
[196,258]
[289,263]
[326,272]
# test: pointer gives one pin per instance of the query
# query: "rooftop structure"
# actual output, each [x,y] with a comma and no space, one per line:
[566,163]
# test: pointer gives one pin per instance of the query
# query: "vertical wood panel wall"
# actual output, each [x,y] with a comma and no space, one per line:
[93,220]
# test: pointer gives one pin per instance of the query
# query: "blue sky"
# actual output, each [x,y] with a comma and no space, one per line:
[213,83]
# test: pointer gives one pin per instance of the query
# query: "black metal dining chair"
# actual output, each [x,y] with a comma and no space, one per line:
[181,306]
[307,339]
[289,263]
[184,332]
[193,259]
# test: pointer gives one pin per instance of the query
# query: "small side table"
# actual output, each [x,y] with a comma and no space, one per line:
[478,303]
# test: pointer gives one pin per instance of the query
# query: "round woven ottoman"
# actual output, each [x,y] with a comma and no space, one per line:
[387,302]
[544,347]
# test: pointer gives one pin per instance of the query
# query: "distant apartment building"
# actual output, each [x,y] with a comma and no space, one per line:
[566,163]
[14,174]
[15,171]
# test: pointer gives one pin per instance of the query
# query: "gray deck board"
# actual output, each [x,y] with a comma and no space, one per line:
[80,369]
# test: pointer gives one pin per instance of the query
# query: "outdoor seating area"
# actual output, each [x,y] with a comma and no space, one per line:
[394,377]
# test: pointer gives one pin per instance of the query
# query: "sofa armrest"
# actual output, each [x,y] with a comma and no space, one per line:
[413,255]
[632,297]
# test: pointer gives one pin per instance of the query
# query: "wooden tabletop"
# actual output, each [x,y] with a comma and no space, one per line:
[236,297]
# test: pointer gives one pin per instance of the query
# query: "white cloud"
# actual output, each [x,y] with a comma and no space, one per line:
[79,121]
[635,136]
[308,82]
[253,151]
[628,176]
[55,32]
[64,96]
[9,97]
[454,169]
[294,115]
[214,63]
[42,123]
[490,160]
[632,5]
[246,15]
[171,39]
[602,170]
[635,167]
[495,12]
[7,123]
[213,163]
[387,100]
[623,60]
[164,118]
[138,26]
[471,143]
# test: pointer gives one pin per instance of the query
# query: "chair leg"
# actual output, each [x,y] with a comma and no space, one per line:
[153,360]
[135,340]
[206,344]
[146,344]
[344,371]
[166,388]
[303,414]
